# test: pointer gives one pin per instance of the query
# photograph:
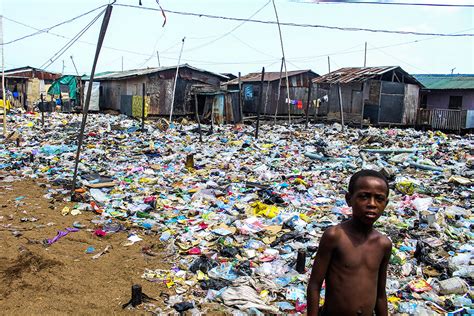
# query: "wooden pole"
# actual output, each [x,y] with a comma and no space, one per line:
[212,118]
[365,55]
[42,110]
[240,100]
[279,93]
[196,110]
[266,98]
[310,85]
[260,103]
[284,63]
[85,110]
[176,80]
[340,106]
[4,97]
[143,107]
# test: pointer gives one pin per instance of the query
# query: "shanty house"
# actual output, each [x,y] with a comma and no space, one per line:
[27,84]
[119,90]
[381,95]
[447,101]
[275,96]
[216,105]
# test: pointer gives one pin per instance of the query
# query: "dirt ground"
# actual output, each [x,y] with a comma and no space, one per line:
[62,278]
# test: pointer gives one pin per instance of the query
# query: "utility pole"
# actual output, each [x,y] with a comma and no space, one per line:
[176,80]
[122,63]
[158,57]
[62,72]
[3,80]
[75,68]
[365,55]
[85,110]
[284,63]
[329,65]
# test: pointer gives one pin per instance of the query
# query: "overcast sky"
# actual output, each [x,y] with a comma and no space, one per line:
[135,35]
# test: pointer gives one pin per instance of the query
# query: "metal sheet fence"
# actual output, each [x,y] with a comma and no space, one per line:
[442,119]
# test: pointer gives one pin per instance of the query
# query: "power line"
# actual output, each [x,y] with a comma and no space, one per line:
[352,29]
[390,55]
[46,30]
[229,32]
[63,49]
[253,48]
[391,3]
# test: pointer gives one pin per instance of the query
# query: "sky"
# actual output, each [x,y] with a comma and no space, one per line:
[136,34]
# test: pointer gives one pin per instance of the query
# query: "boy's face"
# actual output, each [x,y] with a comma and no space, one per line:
[368,200]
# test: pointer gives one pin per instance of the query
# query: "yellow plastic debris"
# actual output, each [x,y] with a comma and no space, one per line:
[300,181]
[65,211]
[266,210]
[406,187]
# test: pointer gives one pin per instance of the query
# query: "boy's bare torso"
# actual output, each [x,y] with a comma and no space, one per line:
[352,275]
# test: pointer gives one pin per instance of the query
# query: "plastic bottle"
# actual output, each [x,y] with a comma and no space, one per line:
[462,301]
[165,236]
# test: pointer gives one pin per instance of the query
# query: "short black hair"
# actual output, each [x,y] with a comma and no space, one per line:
[365,173]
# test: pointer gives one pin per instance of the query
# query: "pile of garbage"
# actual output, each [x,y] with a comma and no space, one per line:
[241,218]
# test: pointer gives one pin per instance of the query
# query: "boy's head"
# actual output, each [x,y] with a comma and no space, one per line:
[365,173]
[367,195]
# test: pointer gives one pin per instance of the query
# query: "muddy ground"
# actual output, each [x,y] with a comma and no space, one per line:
[62,278]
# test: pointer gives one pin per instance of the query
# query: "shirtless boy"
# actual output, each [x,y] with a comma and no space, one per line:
[353,257]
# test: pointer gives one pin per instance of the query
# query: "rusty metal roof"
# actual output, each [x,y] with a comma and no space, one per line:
[269,76]
[360,74]
[119,75]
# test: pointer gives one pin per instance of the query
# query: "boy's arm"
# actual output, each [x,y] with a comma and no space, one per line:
[381,308]
[320,266]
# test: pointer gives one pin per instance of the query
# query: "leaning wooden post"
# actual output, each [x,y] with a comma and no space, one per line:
[85,110]
[196,109]
[240,99]
[42,111]
[260,102]
[340,106]
[176,80]
[279,93]
[143,107]
[310,84]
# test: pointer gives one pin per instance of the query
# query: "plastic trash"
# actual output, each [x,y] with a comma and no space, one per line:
[454,285]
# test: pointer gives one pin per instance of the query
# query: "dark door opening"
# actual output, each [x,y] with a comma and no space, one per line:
[455,102]
[201,99]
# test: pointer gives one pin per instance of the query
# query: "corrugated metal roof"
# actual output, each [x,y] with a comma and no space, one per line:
[269,76]
[360,74]
[353,74]
[445,82]
[118,75]
[26,68]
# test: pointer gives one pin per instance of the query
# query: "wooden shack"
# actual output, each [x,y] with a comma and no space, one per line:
[28,83]
[117,89]
[274,91]
[379,95]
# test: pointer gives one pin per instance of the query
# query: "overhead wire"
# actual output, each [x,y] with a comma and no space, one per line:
[231,31]
[253,48]
[390,3]
[352,29]
[63,49]
[46,30]
[406,63]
